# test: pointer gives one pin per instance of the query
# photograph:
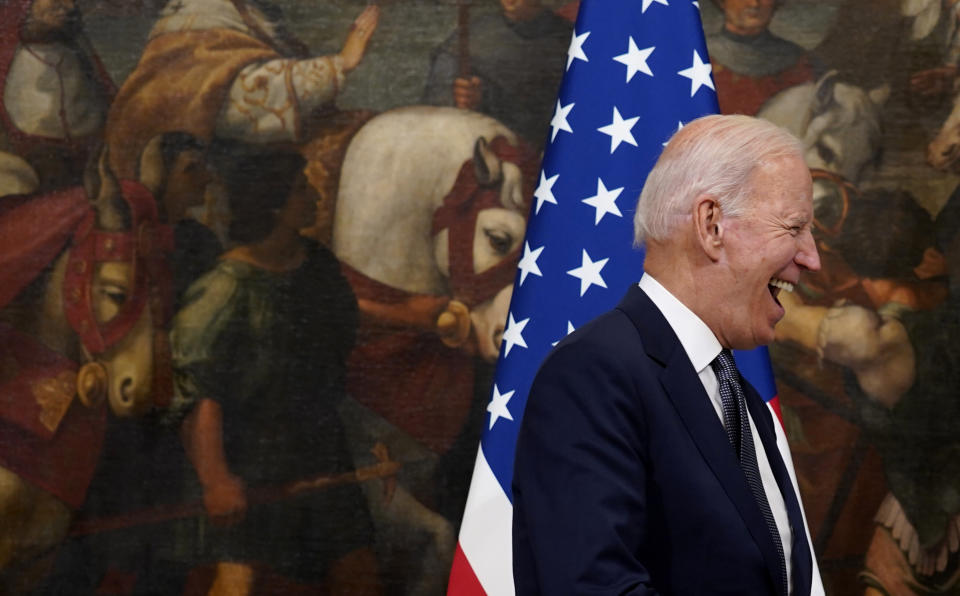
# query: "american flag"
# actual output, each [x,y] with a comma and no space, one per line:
[636,71]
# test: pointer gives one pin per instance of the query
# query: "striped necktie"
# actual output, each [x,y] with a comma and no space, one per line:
[737,423]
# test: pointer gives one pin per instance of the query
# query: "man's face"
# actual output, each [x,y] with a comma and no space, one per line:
[300,210]
[50,20]
[764,252]
[747,17]
[520,10]
[188,178]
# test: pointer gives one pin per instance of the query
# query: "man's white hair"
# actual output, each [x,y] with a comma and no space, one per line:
[713,155]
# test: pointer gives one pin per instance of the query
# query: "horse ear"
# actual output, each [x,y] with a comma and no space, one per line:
[104,193]
[879,95]
[91,174]
[823,95]
[150,171]
[486,163]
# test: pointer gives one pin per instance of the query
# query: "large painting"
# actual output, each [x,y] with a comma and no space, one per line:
[256,260]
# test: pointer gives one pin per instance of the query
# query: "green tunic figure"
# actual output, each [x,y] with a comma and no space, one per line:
[259,352]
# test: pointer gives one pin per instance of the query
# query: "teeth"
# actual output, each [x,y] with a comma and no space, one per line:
[783,285]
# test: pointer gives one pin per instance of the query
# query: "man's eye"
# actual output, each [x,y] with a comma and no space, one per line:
[826,153]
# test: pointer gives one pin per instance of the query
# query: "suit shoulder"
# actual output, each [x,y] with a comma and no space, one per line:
[608,346]
[612,328]
[595,382]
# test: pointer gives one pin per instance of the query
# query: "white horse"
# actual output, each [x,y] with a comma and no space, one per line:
[396,173]
[395,223]
[116,367]
[839,125]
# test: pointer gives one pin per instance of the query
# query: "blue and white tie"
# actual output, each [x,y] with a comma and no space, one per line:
[737,423]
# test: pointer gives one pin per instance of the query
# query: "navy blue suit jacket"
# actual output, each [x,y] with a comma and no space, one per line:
[625,481]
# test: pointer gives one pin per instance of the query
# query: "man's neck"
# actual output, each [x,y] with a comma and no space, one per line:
[681,276]
[661,262]
[743,32]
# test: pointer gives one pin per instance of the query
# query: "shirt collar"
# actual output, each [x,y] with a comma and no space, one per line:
[698,341]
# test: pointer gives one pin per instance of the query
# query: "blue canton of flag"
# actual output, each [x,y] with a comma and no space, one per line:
[637,70]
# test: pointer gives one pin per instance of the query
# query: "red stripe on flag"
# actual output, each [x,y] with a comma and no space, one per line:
[463,581]
[774,403]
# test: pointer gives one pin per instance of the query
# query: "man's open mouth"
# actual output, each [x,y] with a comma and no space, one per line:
[775,285]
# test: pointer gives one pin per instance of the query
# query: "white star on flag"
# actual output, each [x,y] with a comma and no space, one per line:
[570,330]
[588,273]
[699,74]
[513,336]
[498,406]
[544,192]
[647,3]
[635,60]
[575,52]
[605,201]
[559,120]
[528,262]
[619,130]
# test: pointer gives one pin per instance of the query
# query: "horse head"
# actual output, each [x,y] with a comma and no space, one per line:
[840,127]
[843,132]
[432,203]
[116,295]
[478,233]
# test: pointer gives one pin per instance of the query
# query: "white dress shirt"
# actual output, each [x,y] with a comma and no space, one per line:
[702,347]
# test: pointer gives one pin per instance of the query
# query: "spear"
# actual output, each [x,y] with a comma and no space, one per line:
[463,45]
[384,468]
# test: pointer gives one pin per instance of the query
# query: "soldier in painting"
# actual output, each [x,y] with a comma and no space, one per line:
[751,64]
[174,167]
[54,90]
[515,61]
[260,349]
[227,69]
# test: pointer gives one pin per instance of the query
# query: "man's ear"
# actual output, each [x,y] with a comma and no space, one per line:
[709,224]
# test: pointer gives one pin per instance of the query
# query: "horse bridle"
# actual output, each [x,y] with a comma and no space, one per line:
[847,191]
[145,246]
[458,215]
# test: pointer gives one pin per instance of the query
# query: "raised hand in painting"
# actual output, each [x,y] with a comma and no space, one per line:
[359,36]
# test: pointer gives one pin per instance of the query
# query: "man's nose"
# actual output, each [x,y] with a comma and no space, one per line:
[807,256]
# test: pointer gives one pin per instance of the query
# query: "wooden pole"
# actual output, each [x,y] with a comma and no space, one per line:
[463,31]
[384,468]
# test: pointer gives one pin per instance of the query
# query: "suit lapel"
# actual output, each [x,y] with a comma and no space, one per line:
[802,564]
[685,391]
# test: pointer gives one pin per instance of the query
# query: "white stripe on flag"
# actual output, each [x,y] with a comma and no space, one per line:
[486,535]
